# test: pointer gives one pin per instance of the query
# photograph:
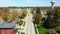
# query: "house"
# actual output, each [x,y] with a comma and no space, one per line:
[7,28]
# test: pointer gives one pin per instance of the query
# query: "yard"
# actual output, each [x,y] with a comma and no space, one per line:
[39,29]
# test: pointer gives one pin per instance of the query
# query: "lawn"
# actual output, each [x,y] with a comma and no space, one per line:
[40,29]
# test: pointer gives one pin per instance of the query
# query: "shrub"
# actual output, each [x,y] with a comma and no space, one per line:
[21,22]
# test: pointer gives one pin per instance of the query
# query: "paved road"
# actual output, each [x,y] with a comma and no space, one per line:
[29,28]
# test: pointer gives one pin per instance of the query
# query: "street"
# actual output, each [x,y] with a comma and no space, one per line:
[29,27]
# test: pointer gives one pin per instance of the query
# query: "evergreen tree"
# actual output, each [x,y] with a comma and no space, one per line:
[38,10]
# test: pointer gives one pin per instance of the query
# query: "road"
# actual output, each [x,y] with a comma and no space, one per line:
[29,27]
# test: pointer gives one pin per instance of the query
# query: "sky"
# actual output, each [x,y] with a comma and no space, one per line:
[22,3]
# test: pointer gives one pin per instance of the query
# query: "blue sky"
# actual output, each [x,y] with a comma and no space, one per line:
[20,3]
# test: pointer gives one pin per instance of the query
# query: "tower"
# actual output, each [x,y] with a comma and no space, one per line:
[52,4]
[52,8]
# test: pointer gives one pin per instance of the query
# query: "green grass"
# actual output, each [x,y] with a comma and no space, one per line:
[35,29]
[41,29]
[20,32]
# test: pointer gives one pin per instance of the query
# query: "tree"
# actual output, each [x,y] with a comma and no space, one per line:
[24,13]
[38,10]
[57,17]
[37,16]
[4,13]
[51,22]
[14,14]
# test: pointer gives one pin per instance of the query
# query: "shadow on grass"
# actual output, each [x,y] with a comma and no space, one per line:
[47,27]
